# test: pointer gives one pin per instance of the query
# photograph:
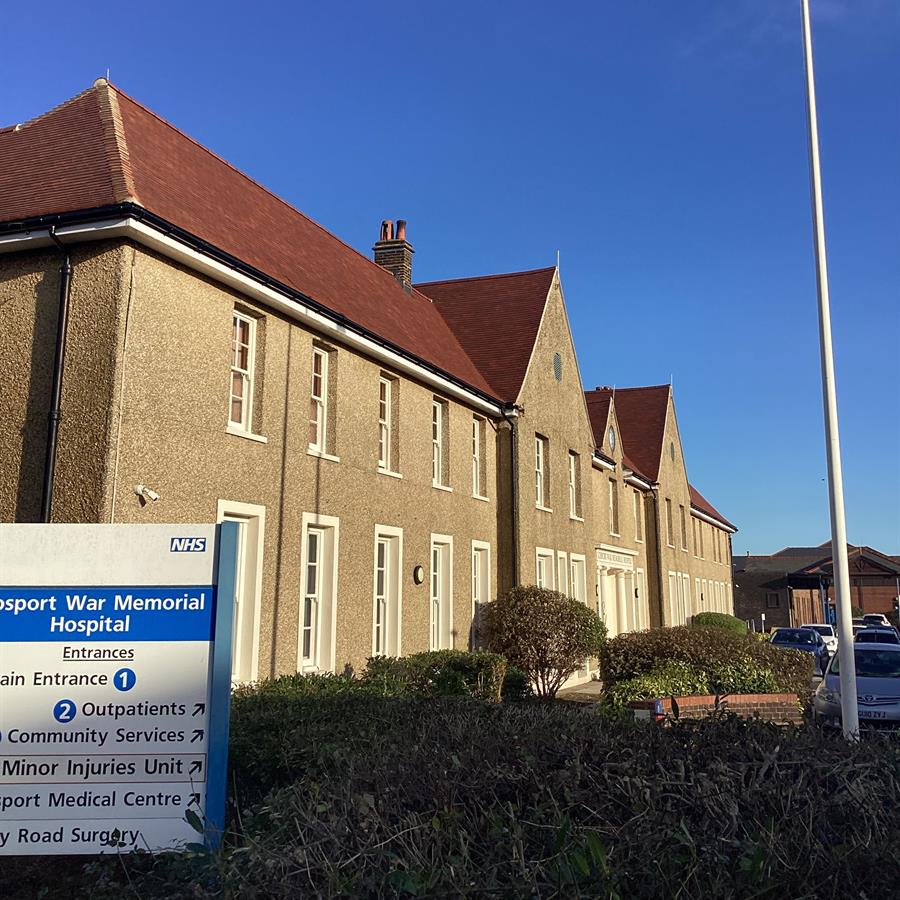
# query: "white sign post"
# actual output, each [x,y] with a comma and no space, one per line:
[115,672]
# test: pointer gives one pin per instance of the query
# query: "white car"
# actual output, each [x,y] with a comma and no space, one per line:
[876,619]
[828,635]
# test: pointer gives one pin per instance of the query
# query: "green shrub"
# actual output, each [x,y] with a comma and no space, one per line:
[516,686]
[441,673]
[385,797]
[674,679]
[544,633]
[718,652]
[720,620]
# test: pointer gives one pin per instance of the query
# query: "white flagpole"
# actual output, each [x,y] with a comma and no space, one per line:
[849,710]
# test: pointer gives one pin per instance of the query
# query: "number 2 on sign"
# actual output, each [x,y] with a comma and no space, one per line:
[64,711]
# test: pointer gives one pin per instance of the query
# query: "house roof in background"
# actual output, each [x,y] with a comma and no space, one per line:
[496,319]
[103,148]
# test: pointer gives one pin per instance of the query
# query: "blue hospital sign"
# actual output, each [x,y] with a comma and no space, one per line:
[115,661]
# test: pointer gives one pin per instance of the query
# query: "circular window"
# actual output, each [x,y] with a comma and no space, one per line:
[612,438]
[672,450]
[557,367]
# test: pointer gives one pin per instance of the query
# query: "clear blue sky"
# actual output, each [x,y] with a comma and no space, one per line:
[659,146]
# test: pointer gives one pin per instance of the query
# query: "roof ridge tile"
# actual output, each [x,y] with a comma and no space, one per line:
[537,271]
[121,173]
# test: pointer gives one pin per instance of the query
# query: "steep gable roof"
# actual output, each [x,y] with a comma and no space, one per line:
[641,413]
[103,148]
[496,319]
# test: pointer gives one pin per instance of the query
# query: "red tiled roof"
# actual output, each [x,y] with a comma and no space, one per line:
[641,414]
[698,501]
[102,148]
[598,412]
[496,319]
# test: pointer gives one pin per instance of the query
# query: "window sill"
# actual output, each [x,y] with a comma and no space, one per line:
[239,432]
[671,546]
[638,540]
[615,534]
[442,487]
[548,509]
[575,518]
[482,499]
[319,454]
[389,473]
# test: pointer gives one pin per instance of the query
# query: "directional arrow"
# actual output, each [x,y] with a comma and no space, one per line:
[199,709]
[196,766]
[195,798]
[197,735]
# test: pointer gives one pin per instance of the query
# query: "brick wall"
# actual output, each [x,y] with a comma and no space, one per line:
[781,708]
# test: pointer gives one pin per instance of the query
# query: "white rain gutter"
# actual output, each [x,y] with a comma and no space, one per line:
[148,236]
[601,463]
[712,521]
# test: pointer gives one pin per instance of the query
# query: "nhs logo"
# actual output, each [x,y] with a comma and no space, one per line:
[187,545]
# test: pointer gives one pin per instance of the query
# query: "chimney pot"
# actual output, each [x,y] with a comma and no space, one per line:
[394,253]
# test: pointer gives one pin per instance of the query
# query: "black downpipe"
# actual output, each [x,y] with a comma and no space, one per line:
[62,323]
[514,498]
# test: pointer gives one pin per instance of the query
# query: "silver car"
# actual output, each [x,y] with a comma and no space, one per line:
[877,688]
[828,635]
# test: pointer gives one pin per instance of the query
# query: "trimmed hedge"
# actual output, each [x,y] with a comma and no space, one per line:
[451,798]
[720,620]
[732,663]
[441,673]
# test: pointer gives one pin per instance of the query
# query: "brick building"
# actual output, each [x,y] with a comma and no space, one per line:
[397,454]
[790,587]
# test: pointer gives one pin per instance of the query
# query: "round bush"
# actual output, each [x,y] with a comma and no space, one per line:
[720,620]
[544,633]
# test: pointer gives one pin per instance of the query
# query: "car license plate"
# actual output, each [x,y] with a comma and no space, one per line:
[872,714]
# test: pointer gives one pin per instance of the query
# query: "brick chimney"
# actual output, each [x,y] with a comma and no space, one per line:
[394,253]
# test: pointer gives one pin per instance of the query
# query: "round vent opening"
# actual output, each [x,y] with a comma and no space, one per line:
[612,438]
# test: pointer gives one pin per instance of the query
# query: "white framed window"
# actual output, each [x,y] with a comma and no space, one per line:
[544,567]
[642,618]
[478,457]
[638,505]
[318,400]
[386,591]
[439,439]
[670,530]
[574,485]
[541,481]
[698,593]
[385,427]
[441,615]
[684,539]
[243,362]
[562,572]
[704,594]
[318,593]
[248,586]
[613,507]
[481,585]
[578,577]
[688,606]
